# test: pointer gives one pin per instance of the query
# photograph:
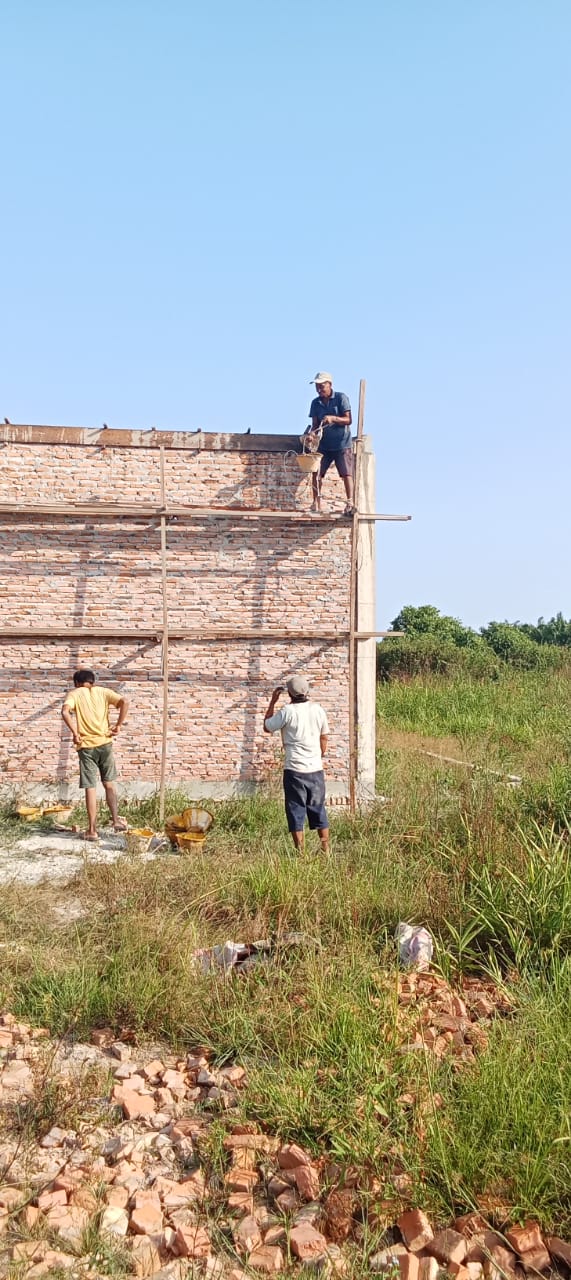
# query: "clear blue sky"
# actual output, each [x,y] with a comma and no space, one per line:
[204,203]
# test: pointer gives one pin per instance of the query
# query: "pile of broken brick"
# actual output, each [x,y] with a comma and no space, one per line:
[137,1171]
[442,1021]
[470,1250]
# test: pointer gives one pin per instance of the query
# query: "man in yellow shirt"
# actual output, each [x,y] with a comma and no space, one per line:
[92,735]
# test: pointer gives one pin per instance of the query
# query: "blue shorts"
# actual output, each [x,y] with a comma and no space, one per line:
[305,798]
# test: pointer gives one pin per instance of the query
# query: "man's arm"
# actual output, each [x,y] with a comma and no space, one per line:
[323,740]
[272,706]
[123,706]
[339,420]
[66,717]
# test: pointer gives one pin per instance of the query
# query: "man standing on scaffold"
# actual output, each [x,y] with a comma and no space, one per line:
[330,413]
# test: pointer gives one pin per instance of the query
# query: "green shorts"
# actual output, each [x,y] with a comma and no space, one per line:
[95,763]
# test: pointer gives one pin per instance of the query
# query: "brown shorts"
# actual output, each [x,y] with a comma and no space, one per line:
[343,459]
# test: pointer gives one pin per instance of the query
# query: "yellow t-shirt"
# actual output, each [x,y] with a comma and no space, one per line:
[91,705]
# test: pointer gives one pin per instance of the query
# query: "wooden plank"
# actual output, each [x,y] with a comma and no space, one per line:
[108,511]
[198,635]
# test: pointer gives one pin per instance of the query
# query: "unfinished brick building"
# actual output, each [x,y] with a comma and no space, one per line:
[186,569]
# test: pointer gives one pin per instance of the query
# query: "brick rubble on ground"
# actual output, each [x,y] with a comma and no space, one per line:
[135,1172]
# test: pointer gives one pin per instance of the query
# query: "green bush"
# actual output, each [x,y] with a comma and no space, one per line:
[426,619]
[512,645]
[429,653]
[435,642]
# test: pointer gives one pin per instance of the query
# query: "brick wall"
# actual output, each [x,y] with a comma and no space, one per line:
[222,573]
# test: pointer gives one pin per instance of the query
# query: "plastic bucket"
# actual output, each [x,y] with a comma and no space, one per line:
[188,829]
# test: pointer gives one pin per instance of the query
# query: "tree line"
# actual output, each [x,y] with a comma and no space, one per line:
[434,641]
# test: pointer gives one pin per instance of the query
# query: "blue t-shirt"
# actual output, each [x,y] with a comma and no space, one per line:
[335,437]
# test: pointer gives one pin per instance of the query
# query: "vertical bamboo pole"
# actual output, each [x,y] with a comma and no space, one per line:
[165,645]
[353,609]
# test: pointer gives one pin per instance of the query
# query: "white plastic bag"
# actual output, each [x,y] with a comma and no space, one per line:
[415,945]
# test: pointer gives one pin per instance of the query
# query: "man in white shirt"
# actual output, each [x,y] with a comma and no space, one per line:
[304,729]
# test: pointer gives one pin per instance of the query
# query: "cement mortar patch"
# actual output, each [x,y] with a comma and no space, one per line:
[58,857]
[197,789]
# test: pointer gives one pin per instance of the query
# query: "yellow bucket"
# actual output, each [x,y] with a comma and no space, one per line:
[138,840]
[31,812]
[309,461]
[58,812]
[187,830]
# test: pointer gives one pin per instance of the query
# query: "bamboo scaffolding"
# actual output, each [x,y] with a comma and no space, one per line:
[205,633]
[114,511]
[164,635]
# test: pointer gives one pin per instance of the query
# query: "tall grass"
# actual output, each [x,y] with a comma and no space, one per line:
[485,866]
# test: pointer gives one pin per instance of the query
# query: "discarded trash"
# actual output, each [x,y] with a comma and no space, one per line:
[229,955]
[415,945]
[188,829]
[242,956]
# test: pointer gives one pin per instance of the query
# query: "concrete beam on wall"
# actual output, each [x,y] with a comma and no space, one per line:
[366,656]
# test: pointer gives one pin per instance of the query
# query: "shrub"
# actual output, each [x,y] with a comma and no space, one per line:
[512,645]
[423,654]
[426,619]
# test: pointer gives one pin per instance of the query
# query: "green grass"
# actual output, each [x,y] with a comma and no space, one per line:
[522,720]
[485,866]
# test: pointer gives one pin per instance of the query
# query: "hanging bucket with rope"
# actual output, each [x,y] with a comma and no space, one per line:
[309,460]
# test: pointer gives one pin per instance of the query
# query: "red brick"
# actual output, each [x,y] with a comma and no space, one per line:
[268,1258]
[146,1256]
[192,1242]
[522,1239]
[559,1249]
[307,1181]
[291,1156]
[247,1235]
[305,1242]
[147,1219]
[427,1268]
[447,1246]
[48,1199]
[536,1259]
[415,1229]
[137,1104]
[501,1260]
[241,1202]
[408,1266]
[470,1224]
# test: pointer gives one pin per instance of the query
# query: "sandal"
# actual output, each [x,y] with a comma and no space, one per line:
[349,509]
[120,825]
[92,839]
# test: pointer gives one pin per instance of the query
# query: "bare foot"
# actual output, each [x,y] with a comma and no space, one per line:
[91,835]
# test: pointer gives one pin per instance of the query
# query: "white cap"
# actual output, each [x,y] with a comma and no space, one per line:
[323,377]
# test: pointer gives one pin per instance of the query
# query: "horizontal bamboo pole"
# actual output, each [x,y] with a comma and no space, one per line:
[114,511]
[206,633]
